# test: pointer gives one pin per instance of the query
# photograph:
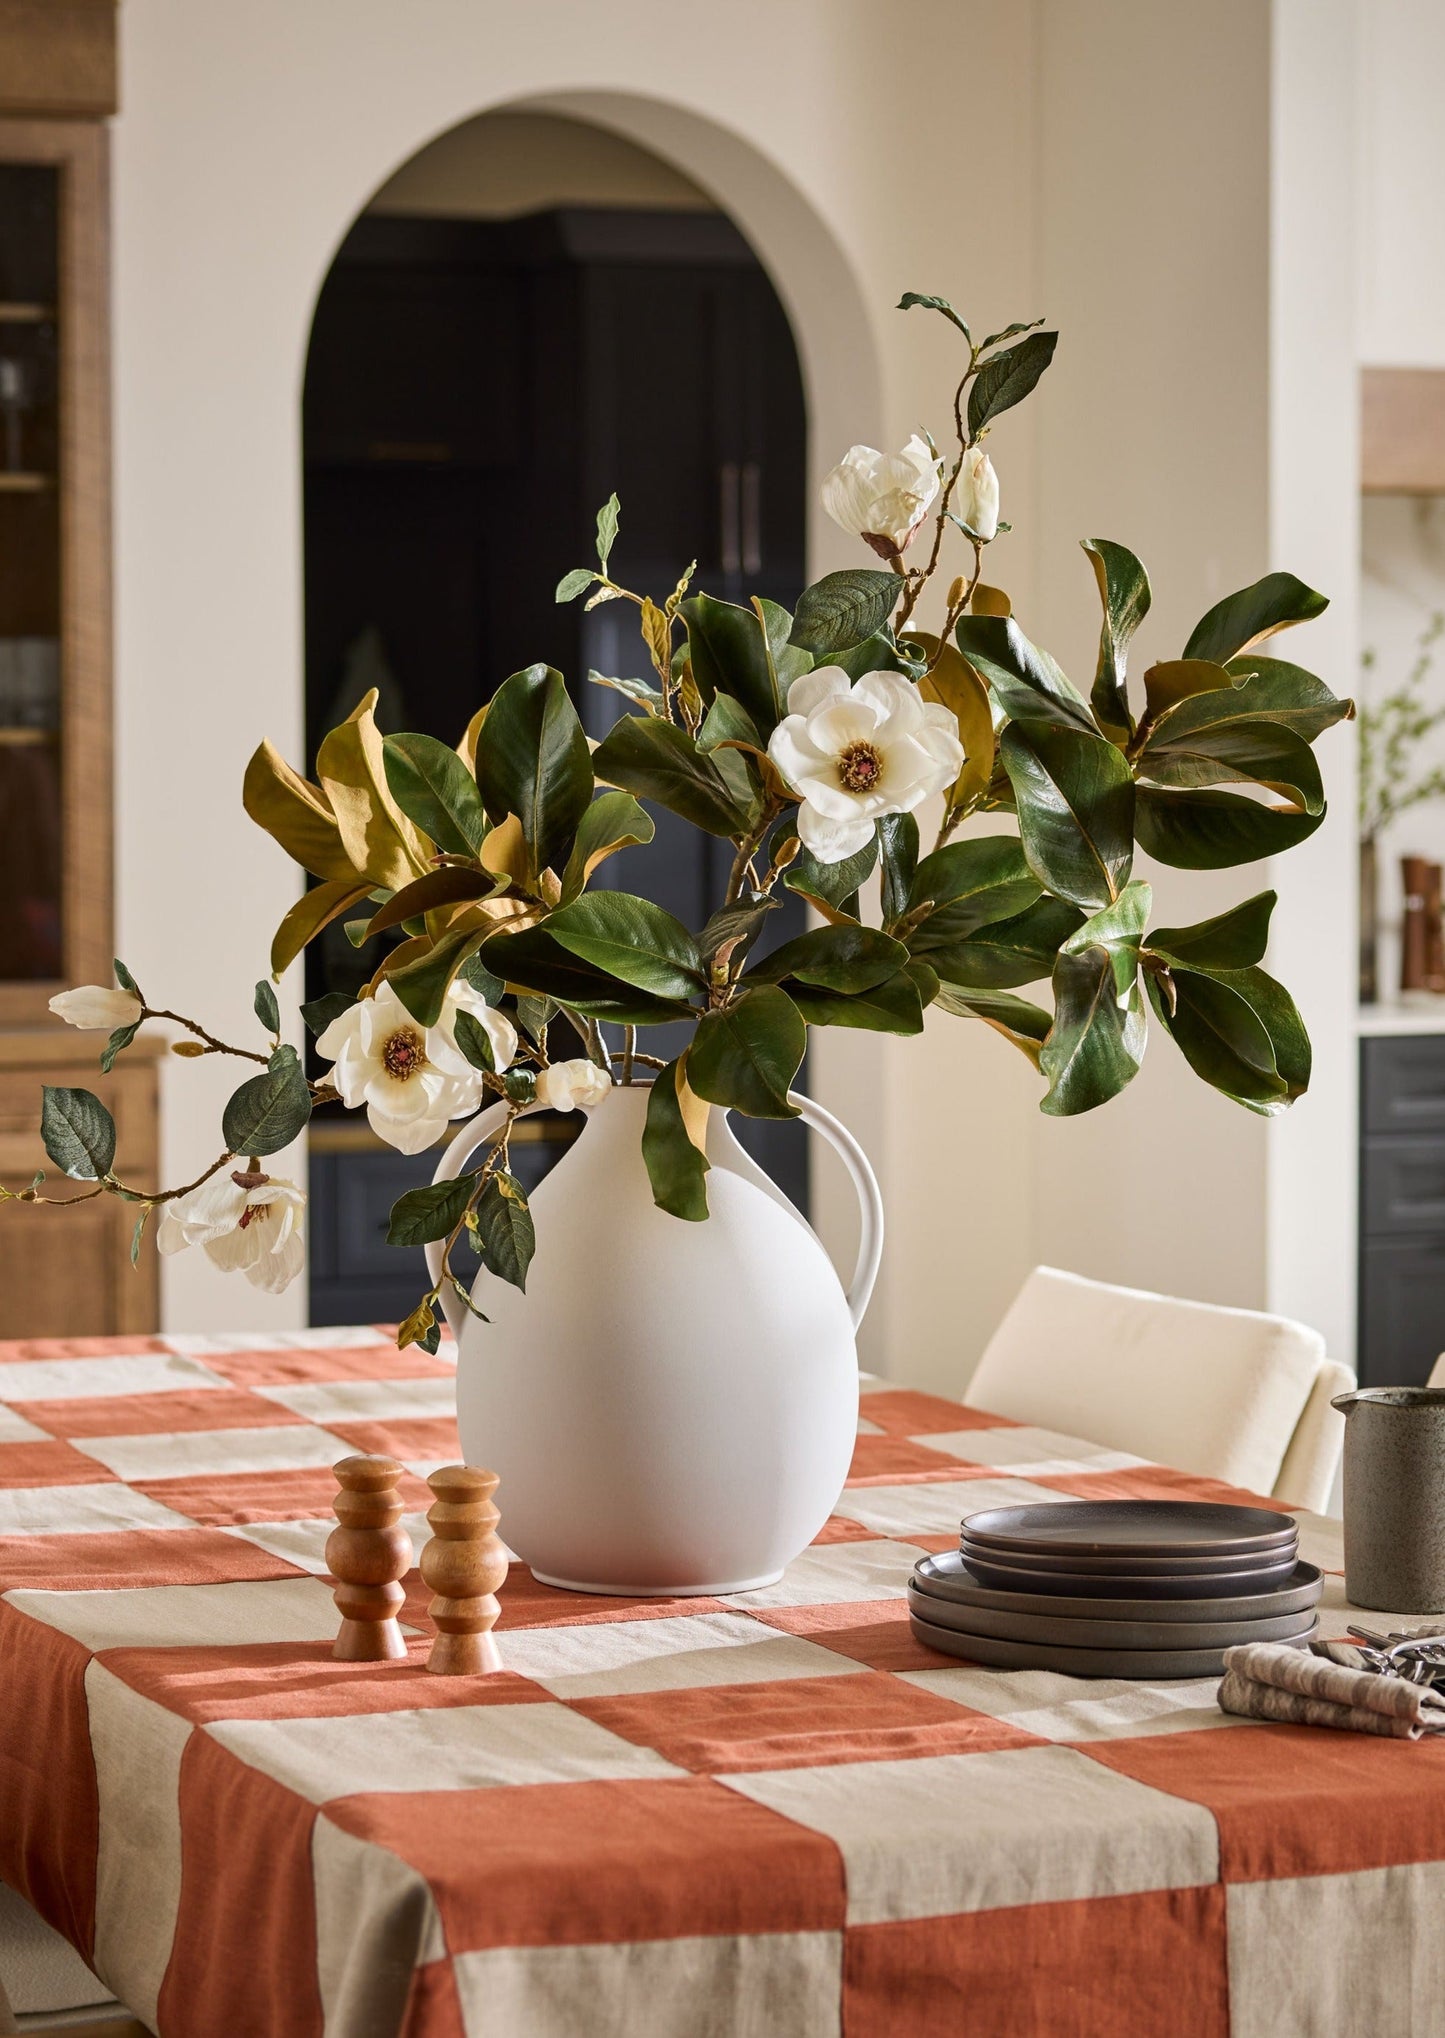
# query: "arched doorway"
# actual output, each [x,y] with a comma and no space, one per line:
[530,314]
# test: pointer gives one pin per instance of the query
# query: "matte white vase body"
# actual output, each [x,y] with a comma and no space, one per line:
[671,1407]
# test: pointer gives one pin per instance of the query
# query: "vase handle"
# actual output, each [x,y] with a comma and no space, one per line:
[476,1132]
[870,1201]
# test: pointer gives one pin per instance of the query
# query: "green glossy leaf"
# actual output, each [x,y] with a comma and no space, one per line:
[318,1013]
[1117,931]
[910,298]
[1252,615]
[675,1167]
[1025,1024]
[1006,953]
[1124,592]
[842,609]
[78,1132]
[475,972]
[124,978]
[434,789]
[1256,753]
[729,651]
[534,1016]
[640,690]
[727,722]
[633,940]
[431,1212]
[878,653]
[1215,831]
[1026,325]
[266,1008]
[505,1228]
[533,961]
[845,959]
[452,885]
[736,927]
[533,761]
[788,661]
[746,1055]
[117,1044]
[474,1041]
[422,985]
[574,583]
[1233,940]
[972,884]
[894,1006]
[1223,1039]
[1075,801]
[1096,1042]
[833,883]
[614,821]
[1026,682]
[1272,690]
[659,761]
[270,1110]
[1007,378]
[898,855]
[607,521]
[138,1234]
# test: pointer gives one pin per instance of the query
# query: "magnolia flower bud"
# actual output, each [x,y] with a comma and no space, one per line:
[882,498]
[96,1009]
[977,497]
[566,1084]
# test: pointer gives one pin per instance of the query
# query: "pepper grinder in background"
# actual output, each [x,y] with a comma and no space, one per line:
[1422,939]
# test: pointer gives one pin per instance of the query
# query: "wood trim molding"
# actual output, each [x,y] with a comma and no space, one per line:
[1402,431]
[58,57]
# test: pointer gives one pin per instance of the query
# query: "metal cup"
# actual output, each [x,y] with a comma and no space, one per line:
[1395,1497]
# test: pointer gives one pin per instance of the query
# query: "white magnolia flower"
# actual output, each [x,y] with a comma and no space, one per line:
[412,1079]
[977,497]
[247,1223]
[96,1009]
[568,1083]
[882,498]
[851,753]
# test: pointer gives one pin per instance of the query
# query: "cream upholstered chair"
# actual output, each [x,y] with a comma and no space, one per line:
[1437,1373]
[1227,1393]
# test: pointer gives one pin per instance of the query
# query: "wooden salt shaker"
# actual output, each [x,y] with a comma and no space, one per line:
[367,1553]
[463,1563]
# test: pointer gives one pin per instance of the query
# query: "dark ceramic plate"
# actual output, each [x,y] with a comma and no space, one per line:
[1129,1563]
[1103,1633]
[1150,1664]
[1111,1528]
[1132,1584]
[947,1577]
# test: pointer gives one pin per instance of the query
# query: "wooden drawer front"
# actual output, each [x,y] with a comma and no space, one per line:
[1403,1187]
[1403,1084]
[1402,1311]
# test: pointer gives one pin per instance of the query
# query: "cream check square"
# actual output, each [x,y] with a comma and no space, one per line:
[1024,1452]
[837,1571]
[81,1510]
[340,1338]
[204,1453]
[304,1542]
[933,1507]
[1061,1708]
[14,1429]
[671,1653]
[480,1747]
[952,1833]
[324,1401]
[85,1379]
[181,1616]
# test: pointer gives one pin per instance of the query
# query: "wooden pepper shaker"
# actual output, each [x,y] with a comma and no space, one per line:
[367,1553]
[464,1563]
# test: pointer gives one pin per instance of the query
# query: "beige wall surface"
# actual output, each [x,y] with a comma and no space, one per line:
[1114,174]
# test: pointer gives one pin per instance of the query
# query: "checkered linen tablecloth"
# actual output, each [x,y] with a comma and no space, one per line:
[771,1813]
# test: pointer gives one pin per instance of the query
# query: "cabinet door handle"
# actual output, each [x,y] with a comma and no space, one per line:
[728,511]
[752,517]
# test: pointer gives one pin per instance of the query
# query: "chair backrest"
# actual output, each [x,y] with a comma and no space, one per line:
[1222,1392]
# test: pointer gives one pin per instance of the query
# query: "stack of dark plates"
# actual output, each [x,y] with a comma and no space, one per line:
[1115,1588]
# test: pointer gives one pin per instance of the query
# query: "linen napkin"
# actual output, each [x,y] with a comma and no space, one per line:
[1271,1681]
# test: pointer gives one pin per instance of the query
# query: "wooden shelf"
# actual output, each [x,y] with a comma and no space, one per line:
[21,737]
[15,313]
[13,483]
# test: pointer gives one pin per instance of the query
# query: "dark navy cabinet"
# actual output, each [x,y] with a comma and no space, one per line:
[1402,1208]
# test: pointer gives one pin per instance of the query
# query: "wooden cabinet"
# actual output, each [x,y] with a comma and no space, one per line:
[61,1273]
[1402,1208]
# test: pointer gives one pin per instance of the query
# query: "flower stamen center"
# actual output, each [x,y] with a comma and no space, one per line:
[859,768]
[404,1053]
[253,1214]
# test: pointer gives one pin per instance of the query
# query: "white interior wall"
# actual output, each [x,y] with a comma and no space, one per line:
[1399,150]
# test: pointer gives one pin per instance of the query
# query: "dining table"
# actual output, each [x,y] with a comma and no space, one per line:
[773,1813]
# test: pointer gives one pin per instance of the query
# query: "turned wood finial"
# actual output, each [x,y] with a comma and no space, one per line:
[367,1553]
[464,1564]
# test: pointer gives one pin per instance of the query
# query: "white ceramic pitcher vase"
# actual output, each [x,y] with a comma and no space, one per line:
[671,1406]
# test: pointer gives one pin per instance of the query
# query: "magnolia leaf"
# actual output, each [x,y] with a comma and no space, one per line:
[574,583]
[898,855]
[829,886]
[421,976]
[607,521]
[1009,333]
[378,837]
[1025,1024]
[269,1111]
[787,661]
[1075,800]
[1214,831]
[126,981]
[1026,682]
[746,1054]
[633,940]
[1252,615]
[1176,679]
[434,1211]
[941,304]
[845,959]
[117,1044]
[533,762]
[452,885]
[504,1225]
[474,1041]
[971,884]
[989,601]
[467,748]
[646,695]
[1117,931]
[1007,378]
[78,1133]
[420,1328]
[844,608]
[1233,940]
[658,761]
[1006,953]
[1271,690]
[1097,1040]
[1260,753]
[138,1234]
[534,1016]
[728,724]
[320,1012]
[433,787]
[613,821]
[534,961]
[296,815]
[955,684]
[266,1008]
[894,1006]
[1124,592]
[1225,1039]
[728,647]
[314,910]
[734,928]
[676,1164]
